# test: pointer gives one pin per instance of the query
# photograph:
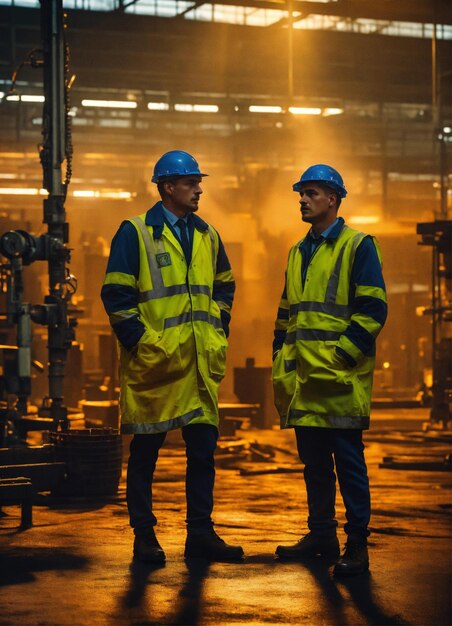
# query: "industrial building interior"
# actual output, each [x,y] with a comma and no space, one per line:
[257,90]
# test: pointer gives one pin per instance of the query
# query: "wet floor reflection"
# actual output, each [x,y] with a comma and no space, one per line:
[152,599]
[189,603]
[140,578]
[347,596]
[363,595]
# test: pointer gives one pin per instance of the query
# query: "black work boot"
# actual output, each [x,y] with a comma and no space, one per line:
[355,559]
[146,547]
[311,545]
[211,547]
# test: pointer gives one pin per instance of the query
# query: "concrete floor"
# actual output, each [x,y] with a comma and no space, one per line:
[74,566]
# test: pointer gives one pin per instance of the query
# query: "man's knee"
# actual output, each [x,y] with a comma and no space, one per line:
[201,441]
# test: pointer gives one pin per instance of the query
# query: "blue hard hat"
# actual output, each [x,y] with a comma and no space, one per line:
[175,163]
[322,174]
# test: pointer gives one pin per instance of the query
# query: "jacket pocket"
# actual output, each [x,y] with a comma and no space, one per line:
[284,377]
[156,360]
[216,349]
[328,386]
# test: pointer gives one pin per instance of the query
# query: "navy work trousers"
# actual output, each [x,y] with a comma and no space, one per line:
[200,443]
[324,450]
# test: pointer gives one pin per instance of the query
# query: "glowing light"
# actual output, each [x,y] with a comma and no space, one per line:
[110,104]
[196,108]
[332,111]
[89,193]
[447,129]
[18,191]
[158,106]
[205,108]
[23,98]
[116,195]
[32,98]
[264,109]
[305,110]
[386,365]
[82,193]
[17,155]
[364,219]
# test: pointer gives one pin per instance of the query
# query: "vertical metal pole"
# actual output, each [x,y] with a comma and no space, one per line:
[290,60]
[434,98]
[60,332]
[438,128]
[434,75]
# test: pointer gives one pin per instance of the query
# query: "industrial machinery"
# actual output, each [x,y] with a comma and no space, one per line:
[76,462]
[438,234]
[20,249]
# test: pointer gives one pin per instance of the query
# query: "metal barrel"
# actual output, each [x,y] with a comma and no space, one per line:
[94,460]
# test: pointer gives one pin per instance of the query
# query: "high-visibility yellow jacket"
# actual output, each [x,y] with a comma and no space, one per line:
[329,316]
[170,376]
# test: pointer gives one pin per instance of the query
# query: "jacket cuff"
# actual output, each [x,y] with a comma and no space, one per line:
[132,341]
[225,319]
[344,356]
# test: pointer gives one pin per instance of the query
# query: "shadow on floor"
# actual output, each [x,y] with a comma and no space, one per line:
[359,595]
[19,566]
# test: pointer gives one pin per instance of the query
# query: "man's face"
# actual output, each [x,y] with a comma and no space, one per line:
[184,193]
[317,204]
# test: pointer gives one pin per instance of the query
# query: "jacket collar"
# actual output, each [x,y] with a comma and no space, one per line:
[333,234]
[156,218]
[336,231]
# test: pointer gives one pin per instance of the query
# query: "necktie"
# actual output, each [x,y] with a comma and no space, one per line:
[184,239]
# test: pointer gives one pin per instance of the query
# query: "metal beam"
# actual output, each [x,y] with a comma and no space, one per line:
[421,11]
[122,5]
[194,6]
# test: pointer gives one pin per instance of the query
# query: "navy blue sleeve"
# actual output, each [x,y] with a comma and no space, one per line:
[366,273]
[124,253]
[224,286]
[282,320]
[121,300]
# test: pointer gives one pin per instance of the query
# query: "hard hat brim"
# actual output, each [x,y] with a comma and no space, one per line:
[160,179]
[339,190]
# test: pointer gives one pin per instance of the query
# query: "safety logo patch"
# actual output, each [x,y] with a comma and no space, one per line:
[163,259]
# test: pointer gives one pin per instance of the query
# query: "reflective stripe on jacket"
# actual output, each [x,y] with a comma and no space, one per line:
[171,376]
[320,376]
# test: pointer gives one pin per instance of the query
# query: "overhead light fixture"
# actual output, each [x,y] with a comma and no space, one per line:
[116,195]
[88,193]
[17,155]
[305,110]
[364,219]
[18,191]
[82,193]
[23,98]
[332,111]
[22,191]
[196,108]
[158,106]
[110,104]
[206,108]
[254,108]
[26,98]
